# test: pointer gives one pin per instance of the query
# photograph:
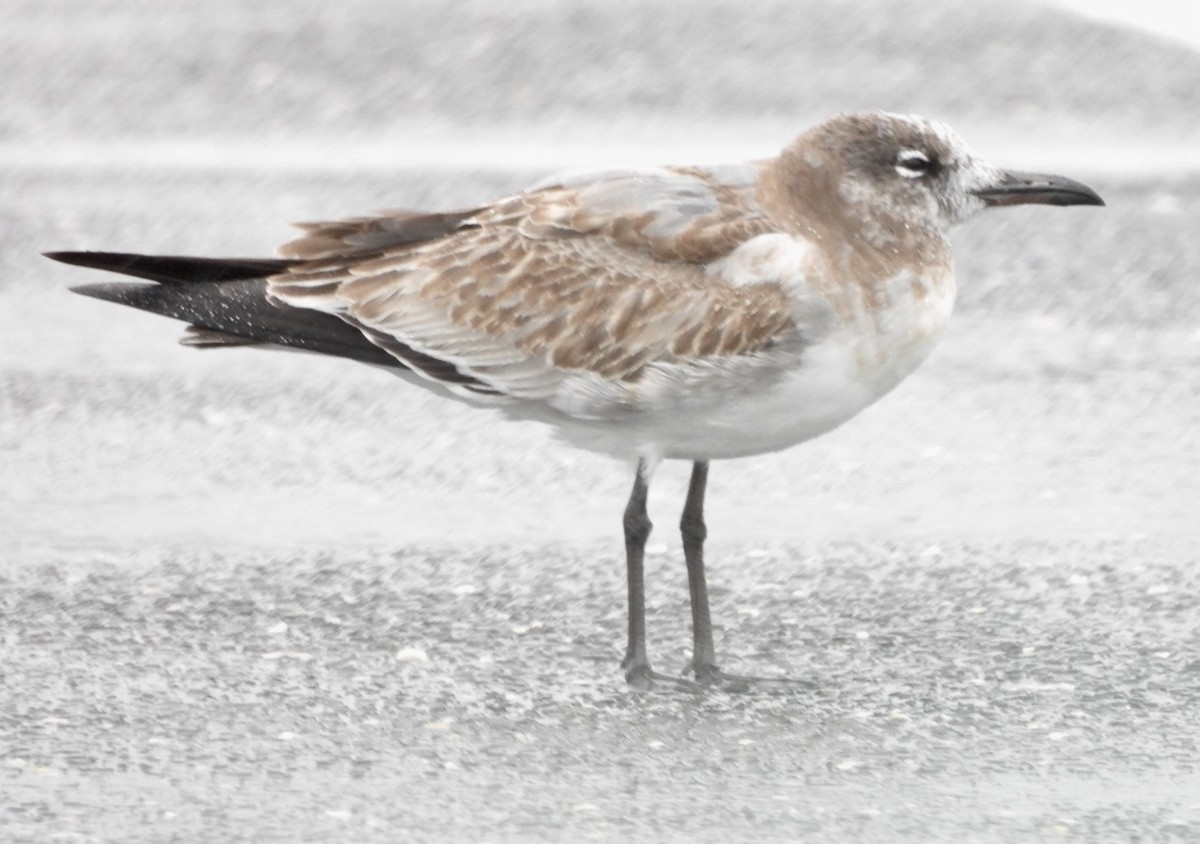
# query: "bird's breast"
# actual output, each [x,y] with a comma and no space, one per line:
[863,356]
[897,328]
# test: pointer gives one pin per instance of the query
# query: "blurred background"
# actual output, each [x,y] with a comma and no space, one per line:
[176,127]
[386,75]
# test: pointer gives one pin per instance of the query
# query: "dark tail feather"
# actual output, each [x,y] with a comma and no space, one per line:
[174,269]
[224,296]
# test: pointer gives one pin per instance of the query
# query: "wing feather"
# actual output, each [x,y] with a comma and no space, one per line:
[370,234]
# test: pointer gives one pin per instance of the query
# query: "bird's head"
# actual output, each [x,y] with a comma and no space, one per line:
[905,171]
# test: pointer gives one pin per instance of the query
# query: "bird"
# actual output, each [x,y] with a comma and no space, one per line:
[692,313]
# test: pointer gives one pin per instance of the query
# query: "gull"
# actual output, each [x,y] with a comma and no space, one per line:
[671,313]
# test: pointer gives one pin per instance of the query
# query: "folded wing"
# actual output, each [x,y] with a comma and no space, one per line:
[601,282]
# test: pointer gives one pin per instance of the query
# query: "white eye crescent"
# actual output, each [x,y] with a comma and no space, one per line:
[913,164]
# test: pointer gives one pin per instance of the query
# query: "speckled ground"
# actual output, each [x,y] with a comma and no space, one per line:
[965,692]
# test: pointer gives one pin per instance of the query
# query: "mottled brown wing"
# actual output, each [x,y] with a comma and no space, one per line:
[368,235]
[602,278]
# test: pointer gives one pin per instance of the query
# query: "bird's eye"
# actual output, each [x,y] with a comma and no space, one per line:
[912,164]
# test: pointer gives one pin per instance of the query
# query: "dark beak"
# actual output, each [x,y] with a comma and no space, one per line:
[1037,189]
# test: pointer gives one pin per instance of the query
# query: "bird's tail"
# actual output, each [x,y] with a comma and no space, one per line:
[225,302]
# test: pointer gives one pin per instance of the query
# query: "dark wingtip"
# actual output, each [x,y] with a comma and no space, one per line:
[78,259]
[116,262]
[174,269]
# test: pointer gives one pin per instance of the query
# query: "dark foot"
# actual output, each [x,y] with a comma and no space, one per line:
[712,677]
[642,677]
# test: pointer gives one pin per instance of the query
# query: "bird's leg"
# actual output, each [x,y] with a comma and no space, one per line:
[704,655]
[638,672]
[637,531]
[691,526]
